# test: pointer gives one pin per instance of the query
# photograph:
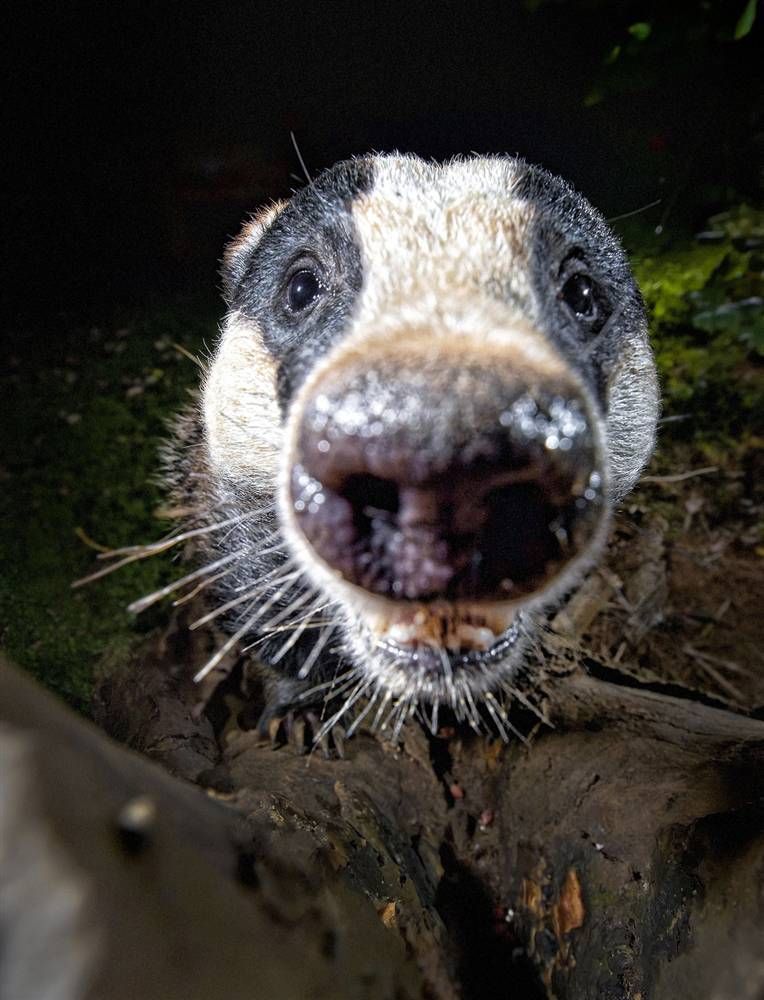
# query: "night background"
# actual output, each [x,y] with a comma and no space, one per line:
[612,844]
[140,136]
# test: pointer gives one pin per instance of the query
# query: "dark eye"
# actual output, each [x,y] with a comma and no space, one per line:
[303,289]
[578,294]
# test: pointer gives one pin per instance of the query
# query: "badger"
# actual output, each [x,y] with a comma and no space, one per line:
[432,385]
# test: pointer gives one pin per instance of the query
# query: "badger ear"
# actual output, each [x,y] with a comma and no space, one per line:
[237,252]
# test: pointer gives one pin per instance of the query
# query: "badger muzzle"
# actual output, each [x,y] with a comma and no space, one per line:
[447,468]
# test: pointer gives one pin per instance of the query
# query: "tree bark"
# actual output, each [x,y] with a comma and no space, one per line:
[118,880]
[620,854]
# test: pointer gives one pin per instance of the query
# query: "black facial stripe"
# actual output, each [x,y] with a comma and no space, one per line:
[568,226]
[316,226]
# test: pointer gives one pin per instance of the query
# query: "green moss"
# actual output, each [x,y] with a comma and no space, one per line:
[668,278]
[84,412]
[707,323]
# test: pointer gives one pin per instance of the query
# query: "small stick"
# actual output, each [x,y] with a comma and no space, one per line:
[299,157]
[635,211]
[679,477]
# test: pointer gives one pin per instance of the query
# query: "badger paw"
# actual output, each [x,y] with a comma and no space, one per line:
[302,730]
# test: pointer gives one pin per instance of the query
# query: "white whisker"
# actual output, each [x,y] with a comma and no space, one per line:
[387,698]
[473,716]
[311,623]
[362,715]
[391,713]
[183,536]
[249,595]
[343,681]
[145,602]
[200,587]
[406,711]
[315,652]
[448,673]
[225,648]
[434,716]
[298,631]
[493,705]
[358,691]
[284,649]
[497,719]
[296,604]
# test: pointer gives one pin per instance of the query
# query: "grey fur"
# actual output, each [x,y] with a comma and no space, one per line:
[335,224]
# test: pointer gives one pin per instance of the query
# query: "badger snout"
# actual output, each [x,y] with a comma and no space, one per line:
[422,471]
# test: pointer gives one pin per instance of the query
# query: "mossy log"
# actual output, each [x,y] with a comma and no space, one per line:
[619,854]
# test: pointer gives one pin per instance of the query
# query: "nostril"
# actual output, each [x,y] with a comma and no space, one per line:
[481,502]
[525,534]
[370,496]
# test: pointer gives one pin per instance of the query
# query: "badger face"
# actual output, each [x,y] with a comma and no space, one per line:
[435,381]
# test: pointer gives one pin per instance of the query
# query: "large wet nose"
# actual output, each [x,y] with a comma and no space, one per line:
[447,480]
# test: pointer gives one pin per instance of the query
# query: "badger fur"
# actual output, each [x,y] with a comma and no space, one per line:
[433,383]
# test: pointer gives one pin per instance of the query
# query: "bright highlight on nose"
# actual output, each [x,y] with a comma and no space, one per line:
[449,482]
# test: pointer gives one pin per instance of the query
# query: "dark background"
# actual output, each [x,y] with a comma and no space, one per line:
[141,134]
[137,137]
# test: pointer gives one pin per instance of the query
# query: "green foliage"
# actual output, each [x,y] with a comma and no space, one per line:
[641,30]
[661,46]
[706,302]
[745,21]
[83,416]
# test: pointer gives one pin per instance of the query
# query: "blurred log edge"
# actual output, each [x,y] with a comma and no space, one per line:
[618,854]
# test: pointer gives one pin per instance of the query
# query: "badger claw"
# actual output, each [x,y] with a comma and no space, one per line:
[302,731]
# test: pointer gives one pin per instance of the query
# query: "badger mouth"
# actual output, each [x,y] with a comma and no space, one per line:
[436,648]
[435,653]
[421,631]
[440,488]
[429,659]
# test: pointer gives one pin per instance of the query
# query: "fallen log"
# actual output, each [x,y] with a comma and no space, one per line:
[118,880]
[618,854]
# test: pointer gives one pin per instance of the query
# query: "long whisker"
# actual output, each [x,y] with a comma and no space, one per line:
[134,553]
[336,685]
[292,639]
[201,586]
[434,716]
[497,719]
[358,691]
[362,715]
[391,713]
[448,672]
[315,652]
[406,711]
[473,716]
[311,622]
[493,705]
[248,625]
[249,595]
[145,602]
[225,648]
[183,536]
[296,604]
[387,698]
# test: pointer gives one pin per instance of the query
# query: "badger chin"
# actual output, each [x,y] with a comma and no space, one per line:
[433,672]
[389,682]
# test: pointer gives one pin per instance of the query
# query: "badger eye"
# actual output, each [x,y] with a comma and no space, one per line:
[578,294]
[303,289]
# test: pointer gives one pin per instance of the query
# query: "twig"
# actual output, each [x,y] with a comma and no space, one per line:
[187,354]
[706,663]
[680,476]
[299,157]
[635,211]
[91,543]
